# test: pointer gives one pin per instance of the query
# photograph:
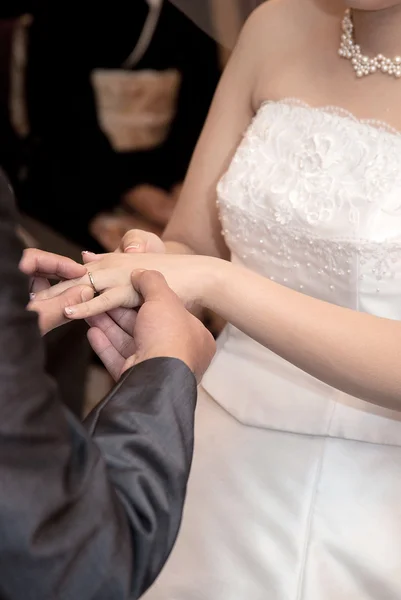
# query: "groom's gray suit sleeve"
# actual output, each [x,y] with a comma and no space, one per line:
[81,517]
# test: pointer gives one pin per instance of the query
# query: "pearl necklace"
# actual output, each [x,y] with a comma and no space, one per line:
[363,65]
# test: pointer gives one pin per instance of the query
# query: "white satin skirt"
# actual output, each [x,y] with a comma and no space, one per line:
[274,515]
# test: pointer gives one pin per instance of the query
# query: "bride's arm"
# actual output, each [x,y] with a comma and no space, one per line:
[354,352]
[195,227]
[357,353]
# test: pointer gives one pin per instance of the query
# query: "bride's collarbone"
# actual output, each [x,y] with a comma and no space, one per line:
[317,76]
[304,63]
[376,99]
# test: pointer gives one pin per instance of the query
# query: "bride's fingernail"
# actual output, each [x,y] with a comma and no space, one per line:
[69,310]
[88,253]
[132,247]
[32,296]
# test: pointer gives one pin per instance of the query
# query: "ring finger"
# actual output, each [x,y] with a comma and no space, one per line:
[123,296]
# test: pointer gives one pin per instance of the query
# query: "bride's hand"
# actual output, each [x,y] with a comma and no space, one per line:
[139,241]
[188,276]
[135,241]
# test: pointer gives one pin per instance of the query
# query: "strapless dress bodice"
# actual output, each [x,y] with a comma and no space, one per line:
[312,200]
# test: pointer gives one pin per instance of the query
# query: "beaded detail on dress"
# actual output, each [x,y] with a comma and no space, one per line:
[318,191]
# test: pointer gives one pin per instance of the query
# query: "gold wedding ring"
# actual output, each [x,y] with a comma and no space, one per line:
[92,283]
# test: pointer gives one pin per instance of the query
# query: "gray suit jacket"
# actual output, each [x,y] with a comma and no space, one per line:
[86,513]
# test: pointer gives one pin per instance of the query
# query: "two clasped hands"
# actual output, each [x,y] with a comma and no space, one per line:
[107,289]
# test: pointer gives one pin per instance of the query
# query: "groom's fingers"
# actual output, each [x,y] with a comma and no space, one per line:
[108,354]
[125,318]
[120,339]
[151,285]
[52,312]
[51,265]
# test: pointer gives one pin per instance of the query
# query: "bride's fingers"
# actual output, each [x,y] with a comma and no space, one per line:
[123,296]
[61,287]
[88,257]
[120,339]
[103,279]
[38,285]
[137,241]
[108,354]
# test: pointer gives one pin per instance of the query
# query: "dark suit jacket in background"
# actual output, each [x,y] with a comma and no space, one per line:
[72,173]
[83,518]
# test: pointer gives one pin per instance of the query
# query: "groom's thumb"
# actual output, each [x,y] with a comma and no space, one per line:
[151,285]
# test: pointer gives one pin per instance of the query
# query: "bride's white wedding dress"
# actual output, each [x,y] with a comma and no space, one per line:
[295,492]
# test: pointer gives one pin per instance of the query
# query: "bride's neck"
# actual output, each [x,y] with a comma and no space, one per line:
[378,32]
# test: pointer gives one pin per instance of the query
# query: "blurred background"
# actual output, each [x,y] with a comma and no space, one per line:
[101,106]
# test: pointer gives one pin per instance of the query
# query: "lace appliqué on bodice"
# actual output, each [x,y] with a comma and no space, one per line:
[312,199]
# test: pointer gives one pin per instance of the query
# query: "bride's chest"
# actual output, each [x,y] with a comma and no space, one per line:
[314,195]
[316,170]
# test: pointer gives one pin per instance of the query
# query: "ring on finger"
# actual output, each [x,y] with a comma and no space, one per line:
[92,282]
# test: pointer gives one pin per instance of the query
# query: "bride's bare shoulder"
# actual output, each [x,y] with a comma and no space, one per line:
[276,34]
[284,23]
[277,13]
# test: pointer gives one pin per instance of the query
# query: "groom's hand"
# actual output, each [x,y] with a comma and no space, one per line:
[41,266]
[111,336]
[51,312]
[38,264]
[161,328]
